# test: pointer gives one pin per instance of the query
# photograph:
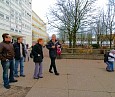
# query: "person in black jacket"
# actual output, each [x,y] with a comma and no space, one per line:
[19,49]
[38,58]
[52,46]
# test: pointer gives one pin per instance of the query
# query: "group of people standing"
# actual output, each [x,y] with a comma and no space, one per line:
[37,52]
[11,55]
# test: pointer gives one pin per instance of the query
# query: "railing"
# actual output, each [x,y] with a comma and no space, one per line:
[83,53]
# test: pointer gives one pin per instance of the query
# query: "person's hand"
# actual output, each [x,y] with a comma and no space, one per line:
[7,60]
[58,46]
[53,46]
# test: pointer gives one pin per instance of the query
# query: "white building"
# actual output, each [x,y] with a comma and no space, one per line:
[16,19]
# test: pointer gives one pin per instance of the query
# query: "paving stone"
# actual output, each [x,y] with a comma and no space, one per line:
[75,93]
[78,78]
[44,92]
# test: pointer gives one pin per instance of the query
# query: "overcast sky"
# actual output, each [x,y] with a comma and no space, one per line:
[41,7]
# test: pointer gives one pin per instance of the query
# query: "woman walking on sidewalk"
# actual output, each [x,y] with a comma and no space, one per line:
[38,58]
[52,46]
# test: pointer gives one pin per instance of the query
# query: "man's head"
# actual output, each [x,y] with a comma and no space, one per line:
[40,41]
[6,37]
[20,39]
[53,37]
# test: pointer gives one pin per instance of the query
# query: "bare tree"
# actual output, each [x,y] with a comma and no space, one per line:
[82,7]
[70,14]
[110,19]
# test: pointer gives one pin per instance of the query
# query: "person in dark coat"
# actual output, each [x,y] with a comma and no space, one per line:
[38,58]
[52,46]
[20,54]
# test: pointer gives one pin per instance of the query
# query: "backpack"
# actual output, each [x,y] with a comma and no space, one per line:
[31,53]
[106,55]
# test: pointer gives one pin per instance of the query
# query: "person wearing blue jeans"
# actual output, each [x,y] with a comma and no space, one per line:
[110,66]
[7,60]
[9,64]
[20,53]
[21,62]
[110,62]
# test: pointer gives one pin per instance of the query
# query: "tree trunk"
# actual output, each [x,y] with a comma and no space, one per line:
[74,40]
[110,38]
[70,40]
[97,39]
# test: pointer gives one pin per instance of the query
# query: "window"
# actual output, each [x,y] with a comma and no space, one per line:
[20,19]
[25,13]
[23,25]
[12,29]
[16,30]
[16,1]
[7,2]
[2,0]
[7,17]
[1,15]
[16,13]
[16,18]
[22,12]
[12,11]
[12,16]
[19,2]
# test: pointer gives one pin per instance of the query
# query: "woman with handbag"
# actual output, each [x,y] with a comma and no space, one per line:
[38,58]
[52,46]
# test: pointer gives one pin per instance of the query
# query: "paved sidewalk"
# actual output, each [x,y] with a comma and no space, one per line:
[78,78]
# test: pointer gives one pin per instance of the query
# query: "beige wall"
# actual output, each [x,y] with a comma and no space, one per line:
[38,28]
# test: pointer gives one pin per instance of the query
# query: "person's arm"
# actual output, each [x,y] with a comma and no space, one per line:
[14,45]
[49,46]
[34,51]
[59,45]
[1,51]
[111,55]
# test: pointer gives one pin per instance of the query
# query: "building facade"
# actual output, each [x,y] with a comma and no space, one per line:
[16,19]
[38,28]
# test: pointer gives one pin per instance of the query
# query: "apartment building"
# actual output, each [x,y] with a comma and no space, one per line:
[16,19]
[38,28]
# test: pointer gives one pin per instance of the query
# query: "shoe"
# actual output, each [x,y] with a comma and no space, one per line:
[36,77]
[50,71]
[7,87]
[22,75]
[109,70]
[13,81]
[16,75]
[40,76]
[57,73]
